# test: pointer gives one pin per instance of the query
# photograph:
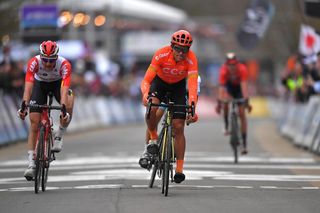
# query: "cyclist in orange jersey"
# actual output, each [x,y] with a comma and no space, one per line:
[172,68]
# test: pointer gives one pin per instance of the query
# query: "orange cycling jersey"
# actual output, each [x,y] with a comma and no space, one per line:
[165,67]
[225,76]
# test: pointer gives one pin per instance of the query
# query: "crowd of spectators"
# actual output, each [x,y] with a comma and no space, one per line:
[301,77]
[91,75]
[11,73]
[95,74]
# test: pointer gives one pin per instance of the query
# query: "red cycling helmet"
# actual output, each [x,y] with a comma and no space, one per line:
[231,58]
[182,38]
[49,49]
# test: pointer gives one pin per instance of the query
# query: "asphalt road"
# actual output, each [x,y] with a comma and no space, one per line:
[98,171]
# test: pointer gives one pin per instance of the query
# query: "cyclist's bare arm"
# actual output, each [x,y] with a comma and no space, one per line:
[244,89]
[27,91]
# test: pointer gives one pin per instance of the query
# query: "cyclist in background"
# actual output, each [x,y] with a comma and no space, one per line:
[171,68]
[233,83]
[46,72]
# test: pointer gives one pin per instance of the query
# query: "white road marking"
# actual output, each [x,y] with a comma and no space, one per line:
[197,167]
[114,160]
[187,165]
[121,186]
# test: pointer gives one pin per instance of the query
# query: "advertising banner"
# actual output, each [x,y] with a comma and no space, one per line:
[39,16]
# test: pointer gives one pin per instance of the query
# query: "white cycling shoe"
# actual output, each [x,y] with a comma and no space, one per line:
[29,173]
[57,144]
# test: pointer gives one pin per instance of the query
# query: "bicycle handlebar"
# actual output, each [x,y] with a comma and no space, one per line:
[171,104]
[62,108]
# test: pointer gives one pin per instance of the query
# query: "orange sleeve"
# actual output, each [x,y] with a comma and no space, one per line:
[193,88]
[193,80]
[149,76]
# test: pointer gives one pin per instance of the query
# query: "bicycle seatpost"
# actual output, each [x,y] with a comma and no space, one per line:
[50,98]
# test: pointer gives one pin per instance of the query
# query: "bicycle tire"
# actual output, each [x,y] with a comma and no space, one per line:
[46,163]
[167,162]
[234,138]
[156,161]
[163,158]
[153,174]
[38,160]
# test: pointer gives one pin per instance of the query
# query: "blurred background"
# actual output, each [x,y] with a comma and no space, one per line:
[110,43]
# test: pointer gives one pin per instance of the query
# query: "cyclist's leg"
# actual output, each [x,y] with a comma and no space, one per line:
[179,117]
[243,122]
[159,115]
[157,93]
[56,88]
[38,96]
[180,147]
[150,143]
[151,147]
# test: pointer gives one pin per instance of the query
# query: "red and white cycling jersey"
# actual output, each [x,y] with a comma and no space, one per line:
[62,70]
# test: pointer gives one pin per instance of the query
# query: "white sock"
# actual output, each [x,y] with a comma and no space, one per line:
[30,157]
[61,131]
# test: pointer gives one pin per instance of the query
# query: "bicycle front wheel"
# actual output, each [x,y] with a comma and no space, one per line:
[156,166]
[154,172]
[234,138]
[167,160]
[46,162]
[39,160]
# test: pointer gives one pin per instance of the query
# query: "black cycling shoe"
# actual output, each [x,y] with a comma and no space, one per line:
[244,151]
[153,148]
[144,160]
[179,177]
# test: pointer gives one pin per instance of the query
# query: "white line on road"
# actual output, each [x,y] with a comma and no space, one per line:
[145,187]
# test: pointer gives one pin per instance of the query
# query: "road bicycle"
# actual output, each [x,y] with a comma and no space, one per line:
[164,160]
[234,125]
[43,155]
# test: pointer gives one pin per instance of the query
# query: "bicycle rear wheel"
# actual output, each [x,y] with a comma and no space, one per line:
[46,162]
[234,138]
[39,160]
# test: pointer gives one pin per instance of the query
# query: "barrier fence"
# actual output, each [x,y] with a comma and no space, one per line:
[89,113]
[300,123]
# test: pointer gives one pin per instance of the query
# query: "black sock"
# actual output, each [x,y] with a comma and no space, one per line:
[226,122]
[244,140]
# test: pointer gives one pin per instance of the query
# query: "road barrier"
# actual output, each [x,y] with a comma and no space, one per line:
[300,123]
[89,113]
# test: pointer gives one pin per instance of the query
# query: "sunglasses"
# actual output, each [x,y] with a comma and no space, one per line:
[181,49]
[50,60]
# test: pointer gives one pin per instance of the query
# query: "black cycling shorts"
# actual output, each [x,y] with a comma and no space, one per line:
[159,89]
[234,90]
[41,90]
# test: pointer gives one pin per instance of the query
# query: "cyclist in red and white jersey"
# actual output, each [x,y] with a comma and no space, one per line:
[46,72]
